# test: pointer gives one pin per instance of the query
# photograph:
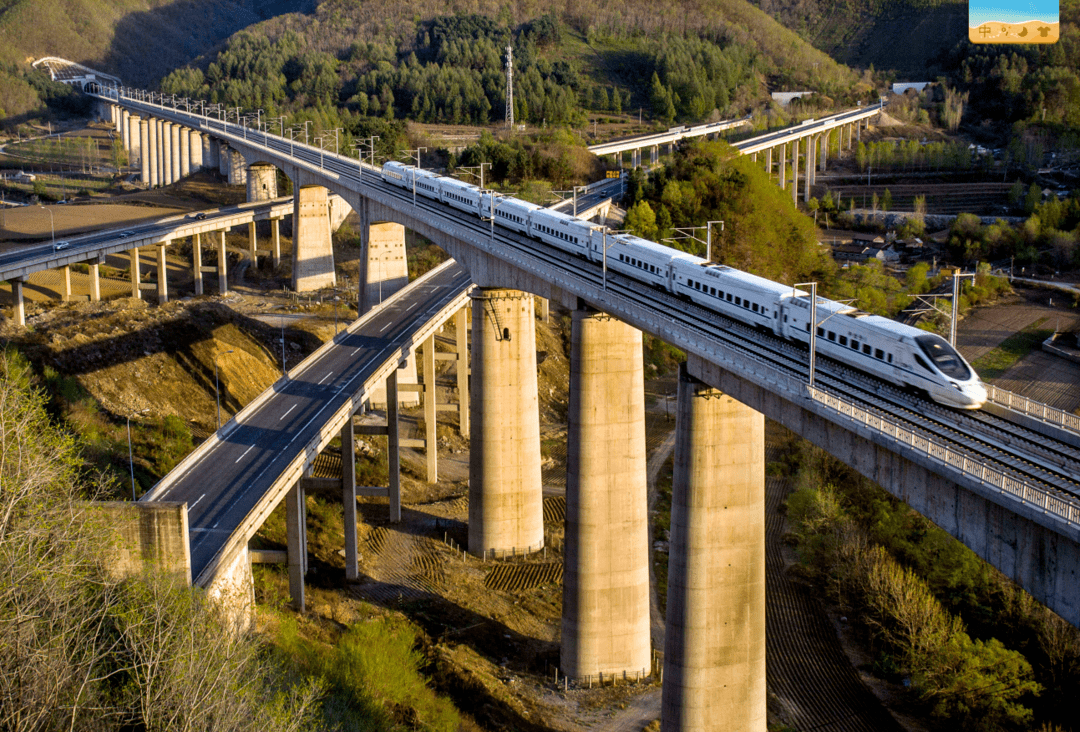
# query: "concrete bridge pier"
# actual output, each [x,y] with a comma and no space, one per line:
[275,239]
[163,153]
[196,263]
[95,279]
[18,305]
[825,139]
[222,265]
[782,165]
[195,145]
[136,290]
[714,654]
[296,542]
[167,153]
[184,135]
[224,158]
[253,245]
[635,158]
[605,619]
[261,182]
[795,171]
[162,273]
[118,119]
[175,151]
[768,163]
[313,251]
[144,152]
[65,278]
[154,153]
[654,154]
[348,499]
[461,326]
[506,510]
[237,169]
[134,144]
[808,175]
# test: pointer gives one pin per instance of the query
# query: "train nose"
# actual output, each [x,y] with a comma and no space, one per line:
[974,394]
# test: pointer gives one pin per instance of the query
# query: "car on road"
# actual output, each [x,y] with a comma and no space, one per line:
[200,216]
[126,234]
[61,245]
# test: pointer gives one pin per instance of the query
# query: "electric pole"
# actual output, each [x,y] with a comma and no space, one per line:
[510,87]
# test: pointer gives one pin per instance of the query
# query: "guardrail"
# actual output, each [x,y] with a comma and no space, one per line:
[1021,490]
[1032,408]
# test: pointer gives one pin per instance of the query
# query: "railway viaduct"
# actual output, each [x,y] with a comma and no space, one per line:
[961,475]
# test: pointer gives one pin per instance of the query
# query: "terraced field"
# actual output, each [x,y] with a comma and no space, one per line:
[941,198]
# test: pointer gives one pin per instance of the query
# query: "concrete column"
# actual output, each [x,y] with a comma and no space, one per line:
[125,129]
[222,265]
[431,447]
[133,254]
[808,175]
[383,267]
[783,166]
[753,157]
[348,498]
[167,154]
[393,447]
[654,154]
[209,153]
[296,538]
[184,136]
[275,235]
[253,245]
[196,147]
[768,162]
[237,169]
[118,118]
[144,152]
[824,150]
[313,251]
[261,182]
[461,325]
[858,131]
[605,620]
[795,170]
[175,157]
[714,653]
[163,153]
[95,281]
[162,273]
[153,150]
[65,288]
[506,510]
[196,263]
[224,160]
[19,305]
[134,141]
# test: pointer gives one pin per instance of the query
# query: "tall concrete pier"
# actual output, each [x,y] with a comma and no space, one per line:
[384,270]
[175,153]
[714,655]
[153,153]
[506,509]
[313,249]
[144,151]
[261,183]
[605,623]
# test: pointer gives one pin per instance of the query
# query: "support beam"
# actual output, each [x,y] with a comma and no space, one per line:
[184,137]
[195,146]
[296,538]
[162,273]
[795,170]
[506,512]
[313,251]
[261,183]
[348,499]
[461,325]
[393,447]
[95,281]
[383,266]
[154,153]
[253,245]
[275,234]
[605,619]
[167,153]
[222,265]
[196,263]
[714,653]
[431,447]
[824,151]
[18,305]
[144,152]
[783,166]
[65,288]
[133,254]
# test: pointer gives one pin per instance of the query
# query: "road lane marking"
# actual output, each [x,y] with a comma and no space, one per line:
[245,453]
[286,413]
[385,327]
[196,502]
[325,378]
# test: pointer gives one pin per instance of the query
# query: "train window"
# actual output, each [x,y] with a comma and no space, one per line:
[738,301]
[785,318]
[832,336]
[721,294]
[843,340]
[808,327]
[866,348]
[889,357]
[754,306]
[879,354]
[729,297]
[918,360]
[820,332]
[854,344]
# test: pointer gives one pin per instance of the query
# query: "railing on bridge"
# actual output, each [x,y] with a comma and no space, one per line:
[1021,490]
[1032,408]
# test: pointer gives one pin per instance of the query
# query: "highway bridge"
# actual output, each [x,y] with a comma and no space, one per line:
[1004,483]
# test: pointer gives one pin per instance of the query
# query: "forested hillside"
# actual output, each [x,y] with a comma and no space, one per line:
[686,61]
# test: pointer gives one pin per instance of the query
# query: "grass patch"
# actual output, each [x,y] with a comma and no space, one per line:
[996,362]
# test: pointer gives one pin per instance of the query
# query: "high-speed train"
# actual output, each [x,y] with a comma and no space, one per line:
[897,353]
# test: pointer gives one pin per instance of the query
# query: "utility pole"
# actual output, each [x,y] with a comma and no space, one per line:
[509,87]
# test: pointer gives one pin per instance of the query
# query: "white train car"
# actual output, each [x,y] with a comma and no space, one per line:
[565,232]
[734,293]
[638,258]
[463,196]
[513,213]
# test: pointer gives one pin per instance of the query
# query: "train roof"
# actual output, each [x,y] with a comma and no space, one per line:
[651,246]
[745,279]
[892,326]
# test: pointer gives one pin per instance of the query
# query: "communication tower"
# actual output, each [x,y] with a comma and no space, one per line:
[510,87]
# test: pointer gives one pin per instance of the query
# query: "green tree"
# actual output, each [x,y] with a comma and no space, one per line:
[641,220]
[886,200]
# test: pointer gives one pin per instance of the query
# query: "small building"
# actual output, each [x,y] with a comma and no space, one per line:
[22,177]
